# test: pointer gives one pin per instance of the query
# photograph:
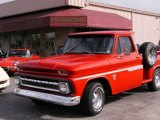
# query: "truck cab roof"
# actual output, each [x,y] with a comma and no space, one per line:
[103,33]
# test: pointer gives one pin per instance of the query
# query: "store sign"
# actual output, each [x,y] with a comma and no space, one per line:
[69,19]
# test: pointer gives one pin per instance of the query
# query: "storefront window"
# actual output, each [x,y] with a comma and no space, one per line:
[36,42]
[16,41]
[50,41]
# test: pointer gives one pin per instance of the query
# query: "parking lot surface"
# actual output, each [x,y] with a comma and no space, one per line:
[137,104]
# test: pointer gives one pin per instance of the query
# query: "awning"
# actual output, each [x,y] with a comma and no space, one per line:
[66,18]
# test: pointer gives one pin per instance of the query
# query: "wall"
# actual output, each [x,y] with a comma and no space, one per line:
[79,3]
[4,41]
[46,48]
[125,14]
[146,26]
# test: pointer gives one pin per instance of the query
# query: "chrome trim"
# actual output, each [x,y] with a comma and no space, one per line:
[61,100]
[38,81]
[42,88]
[4,85]
[3,82]
[6,68]
[130,69]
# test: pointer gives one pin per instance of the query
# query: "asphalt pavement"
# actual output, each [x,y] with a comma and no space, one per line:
[137,104]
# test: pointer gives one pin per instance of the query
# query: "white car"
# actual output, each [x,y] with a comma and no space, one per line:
[4,79]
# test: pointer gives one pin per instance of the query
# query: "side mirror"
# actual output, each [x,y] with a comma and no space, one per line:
[127,51]
[60,50]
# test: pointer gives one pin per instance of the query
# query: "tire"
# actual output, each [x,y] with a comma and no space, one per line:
[93,99]
[149,54]
[154,85]
[38,102]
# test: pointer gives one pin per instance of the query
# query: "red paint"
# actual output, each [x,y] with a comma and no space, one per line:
[9,61]
[120,72]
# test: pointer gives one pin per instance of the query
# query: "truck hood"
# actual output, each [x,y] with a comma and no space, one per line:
[8,61]
[70,62]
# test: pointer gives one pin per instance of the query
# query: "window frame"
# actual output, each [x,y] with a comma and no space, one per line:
[118,44]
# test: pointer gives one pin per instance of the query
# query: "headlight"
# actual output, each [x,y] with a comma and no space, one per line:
[19,68]
[63,72]
[17,81]
[64,88]
[15,63]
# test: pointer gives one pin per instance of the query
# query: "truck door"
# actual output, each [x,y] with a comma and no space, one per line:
[130,64]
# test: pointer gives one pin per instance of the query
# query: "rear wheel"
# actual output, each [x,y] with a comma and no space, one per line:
[154,85]
[93,99]
[149,53]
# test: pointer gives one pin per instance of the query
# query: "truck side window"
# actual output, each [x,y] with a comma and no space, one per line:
[124,43]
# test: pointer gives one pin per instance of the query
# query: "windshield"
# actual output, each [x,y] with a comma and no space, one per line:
[20,53]
[89,44]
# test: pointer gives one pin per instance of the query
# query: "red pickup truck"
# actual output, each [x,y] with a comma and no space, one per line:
[93,65]
[13,57]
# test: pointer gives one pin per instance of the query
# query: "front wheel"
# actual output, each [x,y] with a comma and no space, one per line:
[93,99]
[154,85]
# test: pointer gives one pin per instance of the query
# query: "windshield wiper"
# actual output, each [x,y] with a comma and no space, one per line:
[87,52]
[70,52]
[73,47]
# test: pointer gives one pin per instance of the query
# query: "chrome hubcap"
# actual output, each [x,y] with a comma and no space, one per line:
[97,98]
[152,56]
[157,79]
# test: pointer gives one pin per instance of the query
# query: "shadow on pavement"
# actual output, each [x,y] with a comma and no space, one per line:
[18,108]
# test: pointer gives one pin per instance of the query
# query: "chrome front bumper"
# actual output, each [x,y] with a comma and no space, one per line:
[61,100]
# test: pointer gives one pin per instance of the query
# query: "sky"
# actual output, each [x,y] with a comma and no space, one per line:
[147,5]
[5,1]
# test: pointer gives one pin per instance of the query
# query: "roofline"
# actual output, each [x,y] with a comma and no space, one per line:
[122,8]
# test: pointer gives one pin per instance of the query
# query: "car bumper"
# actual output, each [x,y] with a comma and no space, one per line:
[4,84]
[61,100]
[6,69]
[10,69]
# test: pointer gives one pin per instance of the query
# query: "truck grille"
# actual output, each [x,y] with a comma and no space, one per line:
[39,84]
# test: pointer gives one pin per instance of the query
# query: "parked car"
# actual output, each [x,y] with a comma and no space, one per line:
[4,79]
[2,53]
[16,56]
[92,66]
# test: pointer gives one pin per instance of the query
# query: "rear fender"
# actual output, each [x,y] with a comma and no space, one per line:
[149,73]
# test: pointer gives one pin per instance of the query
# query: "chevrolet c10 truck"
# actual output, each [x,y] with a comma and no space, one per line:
[92,66]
